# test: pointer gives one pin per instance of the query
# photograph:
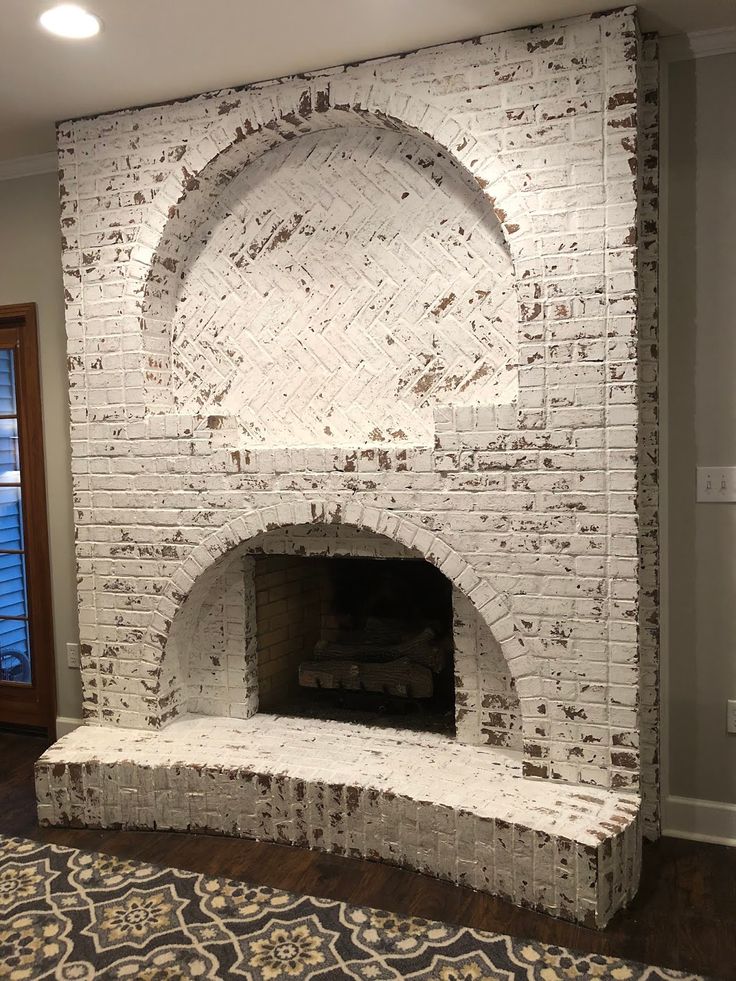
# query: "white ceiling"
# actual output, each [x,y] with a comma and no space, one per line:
[154,50]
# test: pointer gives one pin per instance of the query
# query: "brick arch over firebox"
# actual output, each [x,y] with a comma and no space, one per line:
[268,118]
[489,603]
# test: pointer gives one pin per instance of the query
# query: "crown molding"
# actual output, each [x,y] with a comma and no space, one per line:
[699,44]
[40,163]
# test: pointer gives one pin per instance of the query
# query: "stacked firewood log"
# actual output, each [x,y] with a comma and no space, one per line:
[383,657]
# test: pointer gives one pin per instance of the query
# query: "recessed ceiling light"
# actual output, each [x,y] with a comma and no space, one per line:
[69,20]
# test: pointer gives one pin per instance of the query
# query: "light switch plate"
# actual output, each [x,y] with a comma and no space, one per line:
[716,484]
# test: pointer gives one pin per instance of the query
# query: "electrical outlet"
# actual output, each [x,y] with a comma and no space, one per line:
[72,655]
[731,715]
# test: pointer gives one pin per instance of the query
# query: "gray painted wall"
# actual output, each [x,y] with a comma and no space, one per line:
[701,341]
[30,271]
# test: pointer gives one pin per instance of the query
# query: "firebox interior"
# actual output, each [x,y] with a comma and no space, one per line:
[355,639]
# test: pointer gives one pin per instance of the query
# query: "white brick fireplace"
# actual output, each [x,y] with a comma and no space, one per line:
[402,311]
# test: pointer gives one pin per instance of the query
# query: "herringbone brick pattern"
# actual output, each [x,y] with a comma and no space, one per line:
[348,281]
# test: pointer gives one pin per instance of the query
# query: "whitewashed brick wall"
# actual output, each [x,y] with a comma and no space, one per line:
[229,375]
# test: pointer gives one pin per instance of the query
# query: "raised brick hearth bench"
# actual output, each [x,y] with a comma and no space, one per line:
[421,801]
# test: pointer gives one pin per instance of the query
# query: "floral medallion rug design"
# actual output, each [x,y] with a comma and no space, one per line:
[74,915]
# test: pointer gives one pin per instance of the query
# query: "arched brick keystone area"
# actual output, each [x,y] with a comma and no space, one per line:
[473,381]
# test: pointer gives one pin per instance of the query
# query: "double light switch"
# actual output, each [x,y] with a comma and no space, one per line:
[716,484]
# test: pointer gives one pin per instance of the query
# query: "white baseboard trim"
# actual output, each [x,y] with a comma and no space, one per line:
[699,820]
[65,724]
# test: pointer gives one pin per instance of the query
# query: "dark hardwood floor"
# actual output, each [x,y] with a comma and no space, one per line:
[684,916]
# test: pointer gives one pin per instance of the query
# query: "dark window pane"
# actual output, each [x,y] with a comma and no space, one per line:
[15,659]
[7,383]
[12,585]
[9,465]
[11,519]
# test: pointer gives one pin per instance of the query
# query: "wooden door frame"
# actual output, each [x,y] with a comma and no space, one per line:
[34,704]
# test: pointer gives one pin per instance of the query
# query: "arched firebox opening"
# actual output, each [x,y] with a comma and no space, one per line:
[335,623]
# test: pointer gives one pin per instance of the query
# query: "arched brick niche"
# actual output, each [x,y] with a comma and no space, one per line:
[345,283]
[493,660]
[199,208]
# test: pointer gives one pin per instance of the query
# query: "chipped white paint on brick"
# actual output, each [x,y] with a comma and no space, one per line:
[528,506]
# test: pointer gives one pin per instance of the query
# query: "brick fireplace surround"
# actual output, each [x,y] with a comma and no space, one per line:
[404,309]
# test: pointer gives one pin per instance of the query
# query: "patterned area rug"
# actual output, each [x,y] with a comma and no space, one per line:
[74,915]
